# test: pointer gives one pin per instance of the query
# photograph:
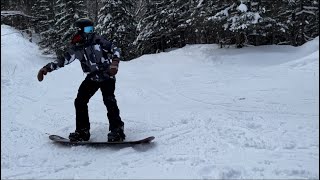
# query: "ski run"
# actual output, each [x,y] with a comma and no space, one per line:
[216,113]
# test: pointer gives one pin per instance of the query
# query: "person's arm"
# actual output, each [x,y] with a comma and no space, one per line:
[115,60]
[114,52]
[66,59]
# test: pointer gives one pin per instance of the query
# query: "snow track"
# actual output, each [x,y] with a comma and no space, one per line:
[216,113]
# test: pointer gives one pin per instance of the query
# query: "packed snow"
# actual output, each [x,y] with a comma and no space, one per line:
[215,113]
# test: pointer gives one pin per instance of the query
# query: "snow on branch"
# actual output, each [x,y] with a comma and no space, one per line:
[14,13]
[305,11]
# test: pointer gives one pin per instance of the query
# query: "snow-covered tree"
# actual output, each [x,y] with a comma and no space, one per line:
[44,25]
[93,7]
[163,25]
[311,9]
[303,20]
[238,19]
[36,12]
[178,14]
[149,26]
[212,28]
[117,23]
[67,12]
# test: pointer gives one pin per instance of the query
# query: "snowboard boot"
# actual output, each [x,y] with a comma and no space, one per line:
[80,135]
[116,135]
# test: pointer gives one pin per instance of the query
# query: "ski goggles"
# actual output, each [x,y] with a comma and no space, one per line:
[88,29]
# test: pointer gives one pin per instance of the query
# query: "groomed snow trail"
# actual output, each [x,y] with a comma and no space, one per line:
[215,113]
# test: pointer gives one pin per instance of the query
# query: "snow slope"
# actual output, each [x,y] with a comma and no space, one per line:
[215,113]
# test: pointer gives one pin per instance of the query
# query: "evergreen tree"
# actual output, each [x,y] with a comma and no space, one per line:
[156,28]
[272,28]
[67,12]
[213,30]
[220,19]
[43,10]
[242,22]
[149,26]
[35,11]
[304,20]
[93,7]
[178,15]
[312,20]
[117,23]
[266,26]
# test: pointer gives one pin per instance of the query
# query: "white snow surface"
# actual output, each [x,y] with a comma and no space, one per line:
[215,113]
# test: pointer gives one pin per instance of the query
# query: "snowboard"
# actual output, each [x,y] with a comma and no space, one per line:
[65,141]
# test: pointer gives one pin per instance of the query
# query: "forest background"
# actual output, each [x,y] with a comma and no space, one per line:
[150,26]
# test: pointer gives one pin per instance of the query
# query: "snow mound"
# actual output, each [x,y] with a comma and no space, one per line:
[311,46]
[23,54]
[310,58]
[309,62]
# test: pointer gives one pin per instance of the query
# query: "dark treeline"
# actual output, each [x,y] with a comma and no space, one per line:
[149,26]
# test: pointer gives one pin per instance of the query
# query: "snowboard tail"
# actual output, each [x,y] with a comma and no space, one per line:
[65,141]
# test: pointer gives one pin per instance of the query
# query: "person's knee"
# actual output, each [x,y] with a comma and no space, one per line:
[109,99]
[78,102]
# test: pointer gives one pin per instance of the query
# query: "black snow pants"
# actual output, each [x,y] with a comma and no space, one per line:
[86,90]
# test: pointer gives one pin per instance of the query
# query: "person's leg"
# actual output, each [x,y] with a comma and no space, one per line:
[107,88]
[86,90]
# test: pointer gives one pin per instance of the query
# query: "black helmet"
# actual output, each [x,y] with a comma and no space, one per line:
[84,25]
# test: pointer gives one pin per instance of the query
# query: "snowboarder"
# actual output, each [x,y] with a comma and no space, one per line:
[99,59]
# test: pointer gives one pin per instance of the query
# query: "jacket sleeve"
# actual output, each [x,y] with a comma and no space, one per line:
[111,50]
[68,57]
[116,52]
